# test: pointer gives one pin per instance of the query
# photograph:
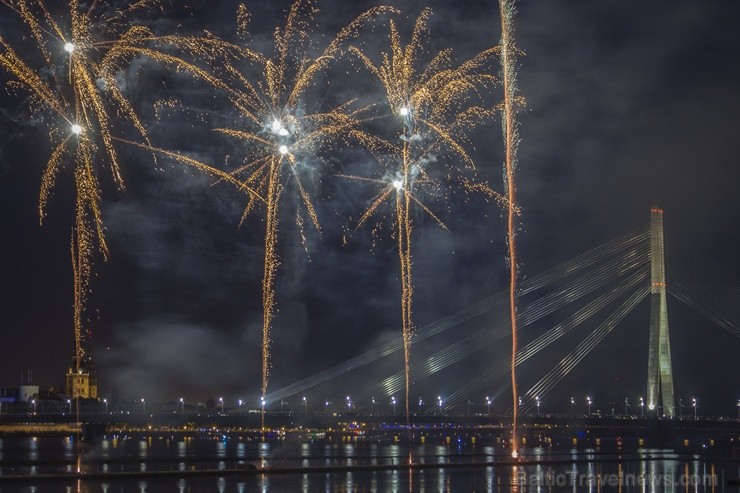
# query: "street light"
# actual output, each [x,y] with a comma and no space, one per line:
[105,401]
[626,404]
[349,404]
[642,407]
[536,398]
[572,405]
[221,400]
[143,405]
[182,405]
[488,405]
[372,406]
[588,399]
[33,401]
[439,401]
[420,403]
[305,405]
[693,403]
[69,403]
[393,402]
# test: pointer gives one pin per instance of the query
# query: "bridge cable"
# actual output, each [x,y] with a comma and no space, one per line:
[549,337]
[636,237]
[636,260]
[566,365]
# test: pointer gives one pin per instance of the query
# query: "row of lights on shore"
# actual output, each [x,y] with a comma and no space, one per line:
[488,401]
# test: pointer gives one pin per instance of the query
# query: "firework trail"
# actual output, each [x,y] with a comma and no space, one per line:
[284,136]
[511,141]
[75,82]
[433,115]
[71,73]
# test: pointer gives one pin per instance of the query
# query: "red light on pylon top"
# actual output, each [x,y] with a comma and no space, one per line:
[656,210]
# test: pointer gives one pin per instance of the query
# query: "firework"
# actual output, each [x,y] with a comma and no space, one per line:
[431,108]
[72,78]
[284,136]
[511,141]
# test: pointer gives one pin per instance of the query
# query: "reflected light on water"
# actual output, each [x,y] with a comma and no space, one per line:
[661,471]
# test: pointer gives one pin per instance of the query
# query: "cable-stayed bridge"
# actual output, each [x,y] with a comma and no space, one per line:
[594,292]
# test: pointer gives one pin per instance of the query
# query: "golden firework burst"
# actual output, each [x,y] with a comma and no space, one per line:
[430,105]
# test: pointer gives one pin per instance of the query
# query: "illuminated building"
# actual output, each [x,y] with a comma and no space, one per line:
[81,379]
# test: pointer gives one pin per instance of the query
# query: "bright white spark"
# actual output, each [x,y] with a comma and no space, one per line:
[69,47]
[276,126]
[404,111]
[398,184]
[76,129]
[283,132]
[283,149]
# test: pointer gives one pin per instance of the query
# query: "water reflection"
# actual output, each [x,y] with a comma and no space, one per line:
[182,448]
[69,448]
[589,471]
[264,483]
[143,448]
[264,453]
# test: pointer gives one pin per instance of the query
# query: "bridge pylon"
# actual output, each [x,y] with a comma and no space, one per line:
[660,370]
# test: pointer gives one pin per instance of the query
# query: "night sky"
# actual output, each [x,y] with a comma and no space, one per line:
[628,104]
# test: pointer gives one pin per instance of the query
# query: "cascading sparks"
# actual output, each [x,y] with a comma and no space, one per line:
[81,51]
[511,142]
[433,114]
[285,137]
[75,81]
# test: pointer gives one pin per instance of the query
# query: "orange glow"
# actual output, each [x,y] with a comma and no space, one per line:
[511,141]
